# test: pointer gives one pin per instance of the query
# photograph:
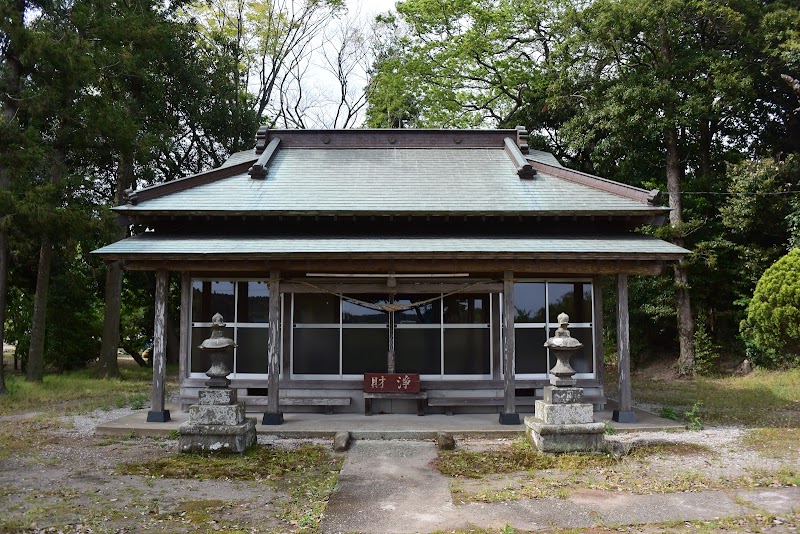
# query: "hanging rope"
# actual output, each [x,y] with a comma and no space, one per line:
[391,307]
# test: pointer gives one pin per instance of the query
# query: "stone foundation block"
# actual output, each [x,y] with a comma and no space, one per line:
[232,414]
[217,438]
[564,414]
[589,437]
[217,397]
[554,395]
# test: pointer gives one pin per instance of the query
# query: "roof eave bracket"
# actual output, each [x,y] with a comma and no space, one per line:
[524,168]
[260,168]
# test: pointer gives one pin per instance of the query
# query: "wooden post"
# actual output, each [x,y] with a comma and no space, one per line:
[390,357]
[509,415]
[273,415]
[624,412]
[157,413]
[185,322]
[597,321]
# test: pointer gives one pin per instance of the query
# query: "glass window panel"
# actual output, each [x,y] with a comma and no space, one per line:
[466,309]
[316,308]
[425,314]
[253,302]
[466,351]
[581,360]
[353,313]
[531,355]
[364,350]
[200,359]
[573,298]
[201,300]
[316,351]
[252,351]
[529,302]
[418,350]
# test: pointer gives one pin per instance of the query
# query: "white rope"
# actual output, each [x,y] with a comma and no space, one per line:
[391,307]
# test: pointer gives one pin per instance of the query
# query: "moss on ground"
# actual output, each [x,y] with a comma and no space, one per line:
[774,442]
[307,474]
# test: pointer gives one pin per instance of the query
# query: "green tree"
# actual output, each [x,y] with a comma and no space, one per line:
[773,316]
[462,64]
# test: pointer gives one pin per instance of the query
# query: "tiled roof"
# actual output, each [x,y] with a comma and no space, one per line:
[392,180]
[231,247]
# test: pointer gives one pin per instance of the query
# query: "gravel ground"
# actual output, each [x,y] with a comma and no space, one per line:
[69,478]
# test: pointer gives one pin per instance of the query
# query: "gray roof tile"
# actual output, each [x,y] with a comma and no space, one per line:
[391,180]
[232,246]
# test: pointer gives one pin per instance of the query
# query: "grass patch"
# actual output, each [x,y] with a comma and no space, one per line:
[26,436]
[78,391]
[256,463]
[307,473]
[774,442]
[520,456]
[762,398]
[669,449]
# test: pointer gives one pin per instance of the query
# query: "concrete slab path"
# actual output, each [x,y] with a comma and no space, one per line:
[382,426]
[392,487]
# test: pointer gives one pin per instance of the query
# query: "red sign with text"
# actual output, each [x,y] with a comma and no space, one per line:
[391,383]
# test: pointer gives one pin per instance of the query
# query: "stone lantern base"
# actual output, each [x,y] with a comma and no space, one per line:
[563,423]
[217,424]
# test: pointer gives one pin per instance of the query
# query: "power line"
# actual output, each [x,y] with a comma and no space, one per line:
[748,193]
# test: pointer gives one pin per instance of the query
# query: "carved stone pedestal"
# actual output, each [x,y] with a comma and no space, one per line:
[217,424]
[562,422]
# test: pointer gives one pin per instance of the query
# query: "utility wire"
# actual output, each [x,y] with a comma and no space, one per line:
[748,193]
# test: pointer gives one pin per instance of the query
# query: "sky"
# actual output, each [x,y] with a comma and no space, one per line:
[371,6]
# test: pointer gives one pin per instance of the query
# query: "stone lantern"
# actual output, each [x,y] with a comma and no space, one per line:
[217,423]
[562,422]
[219,349]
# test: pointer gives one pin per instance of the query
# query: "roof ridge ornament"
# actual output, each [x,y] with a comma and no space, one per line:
[522,139]
[524,169]
[260,168]
[262,136]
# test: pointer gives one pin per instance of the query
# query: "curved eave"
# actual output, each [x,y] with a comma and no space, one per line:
[133,211]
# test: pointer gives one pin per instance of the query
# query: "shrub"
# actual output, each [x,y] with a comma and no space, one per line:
[773,315]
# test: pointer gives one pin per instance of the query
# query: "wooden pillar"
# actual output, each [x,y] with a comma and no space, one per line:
[624,412]
[157,413]
[185,322]
[509,415]
[273,415]
[597,321]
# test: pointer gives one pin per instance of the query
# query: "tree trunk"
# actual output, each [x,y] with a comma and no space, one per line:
[3,302]
[675,175]
[682,301]
[35,368]
[135,355]
[13,75]
[35,364]
[109,368]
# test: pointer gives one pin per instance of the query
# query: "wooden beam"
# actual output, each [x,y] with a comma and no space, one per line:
[509,416]
[485,267]
[652,198]
[391,138]
[157,413]
[273,415]
[624,412]
[185,321]
[597,320]
[497,337]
